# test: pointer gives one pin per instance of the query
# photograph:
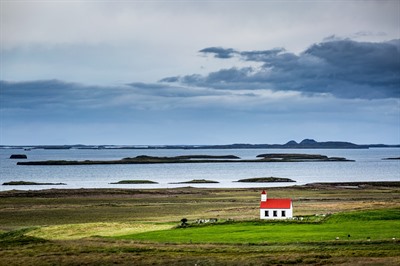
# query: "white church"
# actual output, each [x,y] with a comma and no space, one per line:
[275,208]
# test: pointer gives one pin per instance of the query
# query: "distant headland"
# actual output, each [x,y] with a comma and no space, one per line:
[304,144]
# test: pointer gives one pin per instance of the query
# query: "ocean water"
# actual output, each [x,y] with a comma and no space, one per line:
[368,166]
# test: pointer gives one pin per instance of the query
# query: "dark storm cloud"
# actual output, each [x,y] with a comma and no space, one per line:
[170,79]
[219,52]
[225,53]
[343,68]
[261,56]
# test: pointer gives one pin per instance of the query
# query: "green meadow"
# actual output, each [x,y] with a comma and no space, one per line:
[352,225]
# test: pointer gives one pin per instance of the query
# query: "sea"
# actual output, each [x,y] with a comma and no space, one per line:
[369,165]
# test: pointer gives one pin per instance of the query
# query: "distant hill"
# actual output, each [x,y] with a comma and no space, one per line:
[312,144]
[304,144]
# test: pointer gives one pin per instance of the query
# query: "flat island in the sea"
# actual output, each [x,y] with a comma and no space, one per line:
[265,180]
[197,181]
[392,158]
[126,182]
[29,183]
[144,159]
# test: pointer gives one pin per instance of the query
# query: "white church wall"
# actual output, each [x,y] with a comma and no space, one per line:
[276,213]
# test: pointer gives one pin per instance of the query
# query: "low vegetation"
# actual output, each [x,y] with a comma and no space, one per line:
[359,226]
[140,227]
[83,230]
[19,238]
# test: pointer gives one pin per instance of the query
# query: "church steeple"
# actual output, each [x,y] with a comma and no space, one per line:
[263,196]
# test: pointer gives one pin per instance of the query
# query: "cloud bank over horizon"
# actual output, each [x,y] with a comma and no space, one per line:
[285,91]
[343,68]
[138,72]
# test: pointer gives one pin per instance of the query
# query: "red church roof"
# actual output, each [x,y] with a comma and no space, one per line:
[276,204]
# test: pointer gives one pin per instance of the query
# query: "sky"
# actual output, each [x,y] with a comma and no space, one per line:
[199,72]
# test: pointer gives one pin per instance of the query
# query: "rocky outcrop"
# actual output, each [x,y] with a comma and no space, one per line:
[28,183]
[197,181]
[18,156]
[127,182]
[266,180]
[299,157]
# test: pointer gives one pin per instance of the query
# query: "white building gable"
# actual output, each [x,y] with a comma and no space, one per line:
[275,208]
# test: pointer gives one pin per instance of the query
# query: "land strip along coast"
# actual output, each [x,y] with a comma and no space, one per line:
[144,159]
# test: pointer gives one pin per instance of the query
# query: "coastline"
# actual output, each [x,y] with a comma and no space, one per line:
[187,189]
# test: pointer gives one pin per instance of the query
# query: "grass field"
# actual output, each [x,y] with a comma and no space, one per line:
[138,227]
[79,231]
[361,225]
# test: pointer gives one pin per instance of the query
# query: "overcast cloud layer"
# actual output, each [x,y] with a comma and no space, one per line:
[199,73]
[343,68]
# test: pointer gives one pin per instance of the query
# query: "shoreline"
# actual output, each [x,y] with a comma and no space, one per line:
[88,192]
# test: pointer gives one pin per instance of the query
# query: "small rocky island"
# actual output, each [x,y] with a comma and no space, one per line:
[144,159]
[125,182]
[28,183]
[298,157]
[18,156]
[392,158]
[266,180]
[197,181]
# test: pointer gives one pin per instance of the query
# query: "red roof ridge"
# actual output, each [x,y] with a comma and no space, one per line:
[276,204]
[279,199]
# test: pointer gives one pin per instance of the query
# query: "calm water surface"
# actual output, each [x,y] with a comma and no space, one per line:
[368,166]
